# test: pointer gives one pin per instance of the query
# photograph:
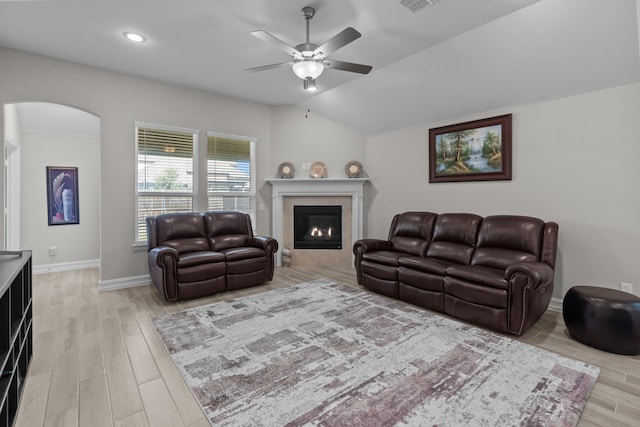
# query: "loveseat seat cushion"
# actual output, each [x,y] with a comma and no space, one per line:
[227,229]
[202,272]
[184,232]
[201,257]
[242,253]
[245,266]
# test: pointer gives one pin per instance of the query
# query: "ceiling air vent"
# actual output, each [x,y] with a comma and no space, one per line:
[416,5]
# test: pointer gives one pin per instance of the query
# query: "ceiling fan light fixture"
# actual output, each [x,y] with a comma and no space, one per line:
[308,69]
[310,85]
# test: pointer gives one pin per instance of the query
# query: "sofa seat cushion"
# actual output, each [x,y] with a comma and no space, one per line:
[487,276]
[201,257]
[242,253]
[384,257]
[419,279]
[432,265]
[475,293]
[380,271]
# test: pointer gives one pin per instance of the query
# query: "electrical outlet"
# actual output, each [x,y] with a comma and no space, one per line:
[52,250]
[626,287]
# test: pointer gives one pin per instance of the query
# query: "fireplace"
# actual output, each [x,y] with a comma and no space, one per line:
[317,227]
[346,192]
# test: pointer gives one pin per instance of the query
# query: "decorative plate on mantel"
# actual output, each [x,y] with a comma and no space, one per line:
[286,170]
[318,170]
[353,169]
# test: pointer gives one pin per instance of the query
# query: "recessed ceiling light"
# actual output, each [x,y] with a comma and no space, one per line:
[134,37]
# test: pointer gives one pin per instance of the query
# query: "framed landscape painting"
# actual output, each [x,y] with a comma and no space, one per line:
[479,150]
[62,195]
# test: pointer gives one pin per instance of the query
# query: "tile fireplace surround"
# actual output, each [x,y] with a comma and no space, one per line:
[348,192]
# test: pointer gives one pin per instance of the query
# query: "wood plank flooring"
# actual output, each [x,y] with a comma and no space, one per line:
[98,362]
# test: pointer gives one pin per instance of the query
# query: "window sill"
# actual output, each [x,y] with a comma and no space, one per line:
[139,247]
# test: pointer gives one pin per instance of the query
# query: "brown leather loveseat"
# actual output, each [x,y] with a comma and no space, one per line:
[192,255]
[496,272]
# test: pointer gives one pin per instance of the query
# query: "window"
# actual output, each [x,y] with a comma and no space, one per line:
[166,179]
[231,174]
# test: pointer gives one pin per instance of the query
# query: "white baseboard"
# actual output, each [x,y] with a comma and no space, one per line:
[556,304]
[66,266]
[123,283]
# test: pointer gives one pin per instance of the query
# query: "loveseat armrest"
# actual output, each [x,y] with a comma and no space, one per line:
[530,290]
[268,244]
[163,269]
[159,253]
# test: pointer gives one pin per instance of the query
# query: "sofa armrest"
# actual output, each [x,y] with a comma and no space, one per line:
[363,246]
[163,269]
[370,245]
[530,290]
[540,273]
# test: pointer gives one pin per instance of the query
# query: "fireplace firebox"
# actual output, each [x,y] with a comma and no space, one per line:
[317,227]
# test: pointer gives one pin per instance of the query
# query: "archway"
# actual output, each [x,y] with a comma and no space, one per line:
[38,135]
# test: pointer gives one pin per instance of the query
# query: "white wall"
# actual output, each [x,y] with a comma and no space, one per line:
[575,162]
[301,136]
[11,124]
[120,100]
[74,242]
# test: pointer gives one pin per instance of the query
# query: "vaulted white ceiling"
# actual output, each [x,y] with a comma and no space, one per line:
[450,59]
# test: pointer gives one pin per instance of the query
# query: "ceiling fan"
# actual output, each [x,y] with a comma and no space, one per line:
[308,59]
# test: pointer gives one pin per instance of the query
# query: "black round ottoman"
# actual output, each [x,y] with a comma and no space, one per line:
[606,319]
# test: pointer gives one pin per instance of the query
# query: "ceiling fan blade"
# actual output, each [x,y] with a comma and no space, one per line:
[341,39]
[263,35]
[347,66]
[269,67]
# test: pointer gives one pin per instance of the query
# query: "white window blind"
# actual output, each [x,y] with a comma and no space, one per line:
[165,159]
[231,174]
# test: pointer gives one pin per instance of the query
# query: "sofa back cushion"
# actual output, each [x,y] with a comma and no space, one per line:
[184,232]
[227,229]
[454,237]
[410,232]
[507,239]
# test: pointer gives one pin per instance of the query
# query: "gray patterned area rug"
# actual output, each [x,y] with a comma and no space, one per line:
[321,353]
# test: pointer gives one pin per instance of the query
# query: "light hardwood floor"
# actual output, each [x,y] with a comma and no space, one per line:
[98,362]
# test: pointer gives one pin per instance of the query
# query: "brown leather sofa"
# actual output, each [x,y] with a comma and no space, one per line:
[192,255]
[495,272]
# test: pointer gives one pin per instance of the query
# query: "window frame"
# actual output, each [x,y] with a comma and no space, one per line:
[194,163]
[252,194]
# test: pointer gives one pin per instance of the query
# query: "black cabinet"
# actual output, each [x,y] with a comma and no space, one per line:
[16,334]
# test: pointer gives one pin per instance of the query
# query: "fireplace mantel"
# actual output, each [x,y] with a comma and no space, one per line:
[351,187]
